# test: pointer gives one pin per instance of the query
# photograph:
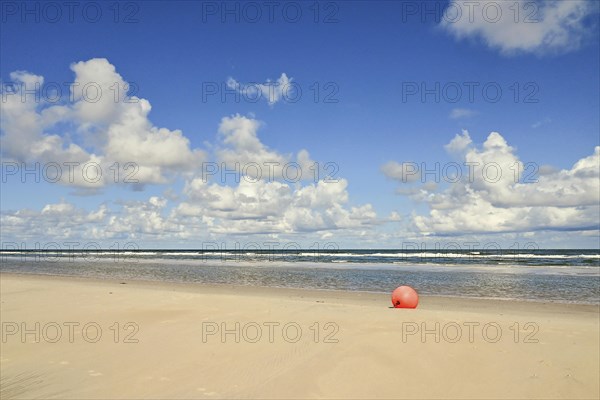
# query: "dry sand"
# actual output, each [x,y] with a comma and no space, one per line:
[364,348]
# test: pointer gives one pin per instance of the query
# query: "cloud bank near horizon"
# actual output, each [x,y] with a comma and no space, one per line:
[117,129]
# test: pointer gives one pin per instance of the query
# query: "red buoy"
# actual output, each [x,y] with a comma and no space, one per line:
[405,297]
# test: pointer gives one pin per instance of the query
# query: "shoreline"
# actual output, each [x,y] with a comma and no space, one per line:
[249,289]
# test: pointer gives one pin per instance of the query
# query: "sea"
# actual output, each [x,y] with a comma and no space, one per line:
[564,276]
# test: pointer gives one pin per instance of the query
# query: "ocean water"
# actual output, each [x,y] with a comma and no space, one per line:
[571,276]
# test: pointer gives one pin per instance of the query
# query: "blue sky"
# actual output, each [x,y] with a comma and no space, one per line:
[370,53]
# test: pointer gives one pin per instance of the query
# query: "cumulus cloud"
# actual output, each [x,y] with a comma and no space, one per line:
[521,26]
[240,143]
[59,221]
[496,192]
[98,126]
[208,210]
[459,144]
[274,207]
[271,91]
[286,194]
[270,197]
[127,221]
[240,148]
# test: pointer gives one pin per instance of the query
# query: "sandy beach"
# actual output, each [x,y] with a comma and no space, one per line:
[124,339]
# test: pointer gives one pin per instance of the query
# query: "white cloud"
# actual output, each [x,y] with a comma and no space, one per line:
[459,144]
[241,145]
[100,125]
[58,221]
[130,221]
[517,199]
[207,211]
[274,207]
[271,91]
[273,202]
[520,26]
[120,131]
